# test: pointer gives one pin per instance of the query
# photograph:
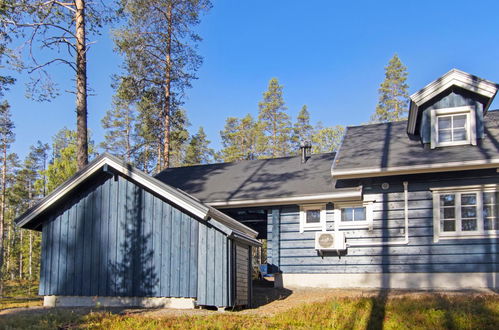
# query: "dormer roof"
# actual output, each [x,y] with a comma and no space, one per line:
[482,87]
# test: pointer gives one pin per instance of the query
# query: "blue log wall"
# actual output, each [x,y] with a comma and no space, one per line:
[297,253]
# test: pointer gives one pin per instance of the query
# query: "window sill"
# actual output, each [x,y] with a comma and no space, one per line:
[468,236]
[355,226]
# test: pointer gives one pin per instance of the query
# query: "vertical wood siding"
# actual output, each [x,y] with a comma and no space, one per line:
[297,253]
[117,239]
[242,280]
[214,286]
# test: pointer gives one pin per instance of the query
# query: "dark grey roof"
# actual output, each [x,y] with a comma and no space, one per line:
[387,145]
[254,179]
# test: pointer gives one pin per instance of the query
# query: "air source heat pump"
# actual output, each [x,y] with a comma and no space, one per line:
[330,241]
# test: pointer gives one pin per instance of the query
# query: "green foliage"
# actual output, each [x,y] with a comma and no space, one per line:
[275,122]
[64,163]
[198,150]
[393,95]
[327,139]
[120,123]
[159,44]
[240,139]
[302,129]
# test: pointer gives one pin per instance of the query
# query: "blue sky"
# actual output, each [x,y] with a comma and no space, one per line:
[329,55]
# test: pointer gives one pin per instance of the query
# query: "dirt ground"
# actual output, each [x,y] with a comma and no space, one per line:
[267,301]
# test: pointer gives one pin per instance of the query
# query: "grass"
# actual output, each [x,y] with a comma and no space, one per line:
[20,294]
[409,312]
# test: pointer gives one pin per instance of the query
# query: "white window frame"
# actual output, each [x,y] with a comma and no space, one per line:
[321,225]
[459,234]
[367,224]
[469,111]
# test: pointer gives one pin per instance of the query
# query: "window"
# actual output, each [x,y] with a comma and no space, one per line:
[467,213]
[353,215]
[453,126]
[312,217]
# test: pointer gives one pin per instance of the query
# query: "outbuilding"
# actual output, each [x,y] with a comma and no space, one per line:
[115,236]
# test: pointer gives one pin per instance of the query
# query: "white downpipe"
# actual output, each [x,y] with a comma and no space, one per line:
[405,241]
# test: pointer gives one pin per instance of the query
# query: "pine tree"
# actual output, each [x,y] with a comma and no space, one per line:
[327,139]
[159,45]
[240,138]
[64,163]
[58,31]
[120,123]
[302,130]
[6,139]
[393,94]
[274,121]
[198,150]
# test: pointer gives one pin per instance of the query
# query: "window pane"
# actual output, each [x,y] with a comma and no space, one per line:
[448,213]
[444,122]
[468,225]
[313,216]
[359,214]
[444,136]
[468,212]
[489,198]
[447,200]
[468,199]
[347,214]
[488,224]
[448,225]
[459,121]
[488,211]
[459,134]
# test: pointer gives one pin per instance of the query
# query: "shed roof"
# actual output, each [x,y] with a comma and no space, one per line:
[31,217]
[262,181]
[386,149]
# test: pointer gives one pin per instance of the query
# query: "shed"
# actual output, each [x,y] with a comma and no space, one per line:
[114,236]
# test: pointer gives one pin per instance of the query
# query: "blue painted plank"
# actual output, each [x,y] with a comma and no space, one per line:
[175,254]
[87,246]
[96,240]
[202,266]
[63,260]
[104,238]
[193,269]
[165,223]
[42,288]
[157,243]
[210,268]
[218,269]
[113,243]
[184,255]
[276,227]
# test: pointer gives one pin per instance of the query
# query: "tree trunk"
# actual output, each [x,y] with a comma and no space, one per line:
[2,215]
[30,256]
[168,77]
[81,85]
[21,255]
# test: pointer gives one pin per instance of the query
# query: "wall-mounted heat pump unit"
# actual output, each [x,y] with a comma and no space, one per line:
[330,241]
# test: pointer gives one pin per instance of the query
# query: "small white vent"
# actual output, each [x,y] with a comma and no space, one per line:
[330,241]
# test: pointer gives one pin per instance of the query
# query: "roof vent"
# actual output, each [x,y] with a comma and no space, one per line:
[305,150]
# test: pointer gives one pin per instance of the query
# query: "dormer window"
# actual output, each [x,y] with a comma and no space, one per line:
[453,126]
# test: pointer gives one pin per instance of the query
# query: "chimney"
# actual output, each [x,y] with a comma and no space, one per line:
[305,150]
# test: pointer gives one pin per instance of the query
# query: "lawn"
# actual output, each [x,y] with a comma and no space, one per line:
[420,311]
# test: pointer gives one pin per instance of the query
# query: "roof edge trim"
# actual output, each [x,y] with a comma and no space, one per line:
[341,194]
[176,196]
[454,77]
[416,169]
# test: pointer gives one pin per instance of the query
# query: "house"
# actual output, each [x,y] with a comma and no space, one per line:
[114,236]
[412,204]
[409,204]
